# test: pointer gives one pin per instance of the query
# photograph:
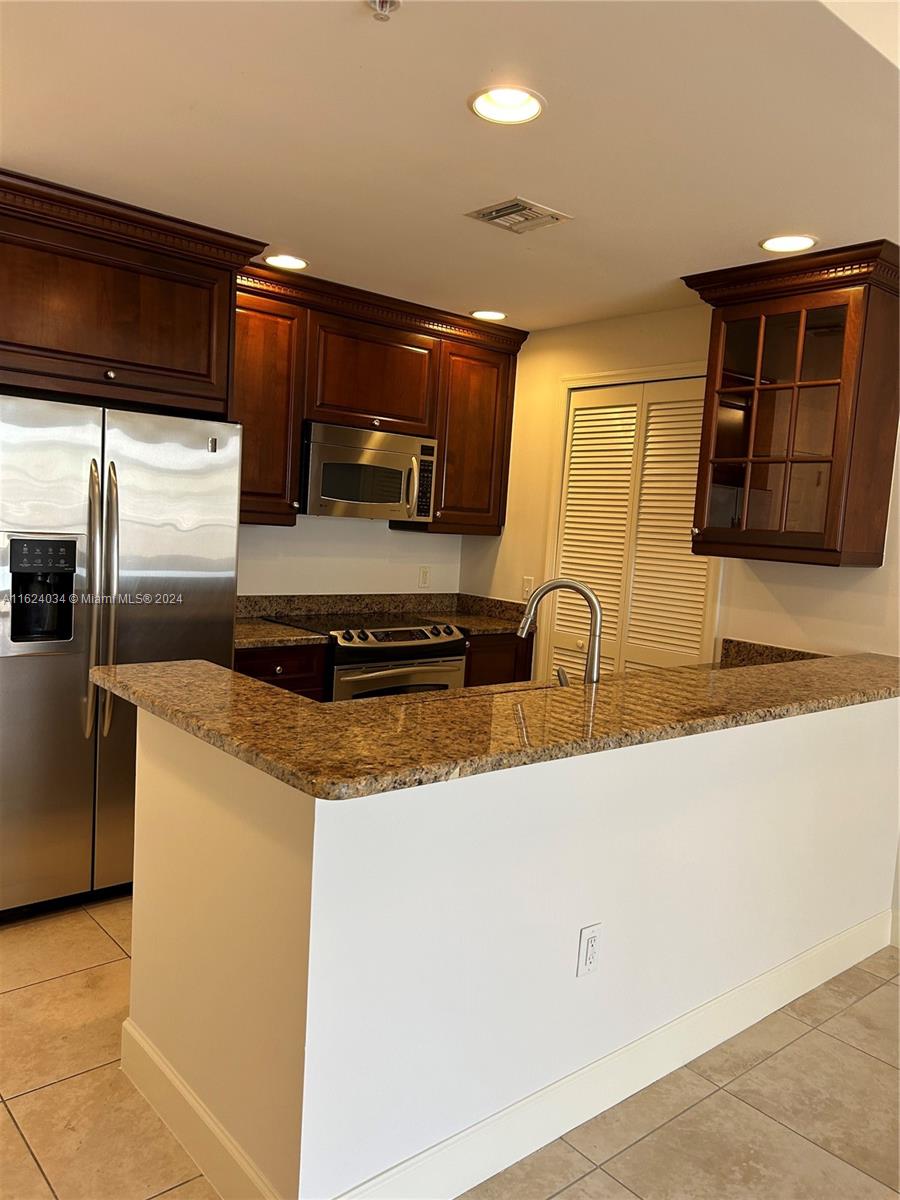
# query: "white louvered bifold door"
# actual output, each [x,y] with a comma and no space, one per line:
[625,529]
[594,521]
[671,596]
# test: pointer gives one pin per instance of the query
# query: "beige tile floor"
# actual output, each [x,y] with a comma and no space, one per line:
[71,1125]
[801,1106]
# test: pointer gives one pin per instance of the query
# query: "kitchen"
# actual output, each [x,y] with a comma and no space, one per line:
[347,488]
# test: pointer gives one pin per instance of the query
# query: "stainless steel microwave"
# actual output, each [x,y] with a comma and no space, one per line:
[364,473]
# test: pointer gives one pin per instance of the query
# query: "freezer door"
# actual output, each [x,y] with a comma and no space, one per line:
[171,496]
[50,457]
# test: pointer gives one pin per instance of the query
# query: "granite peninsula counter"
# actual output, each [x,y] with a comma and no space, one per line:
[379,998]
[360,747]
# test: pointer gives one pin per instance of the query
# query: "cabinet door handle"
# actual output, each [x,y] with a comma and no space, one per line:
[695,532]
[376,421]
[279,670]
[109,373]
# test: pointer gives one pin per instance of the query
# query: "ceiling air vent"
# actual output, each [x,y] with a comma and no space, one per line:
[518,215]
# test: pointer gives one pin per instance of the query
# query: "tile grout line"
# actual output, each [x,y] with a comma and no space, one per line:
[37,1161]
[818,1146]
[834,1014]
[166,1191]
[53,1082]
[572,1182]
[622,1149]
[834,1037]
[65,975]
[105,930]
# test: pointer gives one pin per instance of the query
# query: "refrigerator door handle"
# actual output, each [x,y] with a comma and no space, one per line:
[112,582]
[95,550]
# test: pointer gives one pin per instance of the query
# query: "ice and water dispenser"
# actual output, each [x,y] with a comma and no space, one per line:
[42,582]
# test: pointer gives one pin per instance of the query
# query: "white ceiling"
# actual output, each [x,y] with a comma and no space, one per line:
[677,134]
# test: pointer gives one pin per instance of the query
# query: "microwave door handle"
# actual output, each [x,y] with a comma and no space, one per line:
[112,582]
[389,673]
[414,477]
[95,551]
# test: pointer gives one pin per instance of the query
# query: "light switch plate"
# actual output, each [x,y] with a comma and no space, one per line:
[424,577]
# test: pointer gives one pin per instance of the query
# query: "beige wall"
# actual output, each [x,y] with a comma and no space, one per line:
[495,566]
[814,608]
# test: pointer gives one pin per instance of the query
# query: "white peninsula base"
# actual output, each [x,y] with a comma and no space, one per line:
[377,997]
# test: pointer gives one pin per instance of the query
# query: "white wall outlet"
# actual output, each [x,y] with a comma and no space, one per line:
[527,586]
[424,577]
[588,949]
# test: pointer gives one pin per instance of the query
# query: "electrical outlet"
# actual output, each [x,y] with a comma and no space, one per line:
[588,949]
[424,577]
[527,586]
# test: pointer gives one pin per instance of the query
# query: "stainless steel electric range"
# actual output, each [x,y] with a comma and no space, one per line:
[388,654]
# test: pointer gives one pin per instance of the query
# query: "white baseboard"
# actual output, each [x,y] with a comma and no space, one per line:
[212,1148]
[451,1167]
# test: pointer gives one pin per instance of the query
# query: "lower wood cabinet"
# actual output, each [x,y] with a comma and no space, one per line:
[299,669]
[498,658]
[267,398]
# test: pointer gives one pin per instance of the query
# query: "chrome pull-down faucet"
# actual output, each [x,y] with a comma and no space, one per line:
[592,666]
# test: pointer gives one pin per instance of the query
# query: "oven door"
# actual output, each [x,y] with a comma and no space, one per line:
[398,679]
[350,481]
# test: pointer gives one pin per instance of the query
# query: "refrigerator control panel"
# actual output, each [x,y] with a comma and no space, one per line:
[36,555]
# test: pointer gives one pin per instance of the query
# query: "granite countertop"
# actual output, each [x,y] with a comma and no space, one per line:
[254,632]
[251,633]
[362,747]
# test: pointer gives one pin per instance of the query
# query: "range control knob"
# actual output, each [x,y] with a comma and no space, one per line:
[346,636]
[436,630]
[448,629]
[363,636]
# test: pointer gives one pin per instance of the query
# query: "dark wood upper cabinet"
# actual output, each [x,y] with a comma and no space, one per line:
[267,398]
[373,376]
[474,430]
[801,411]
[108,301]
[373,362]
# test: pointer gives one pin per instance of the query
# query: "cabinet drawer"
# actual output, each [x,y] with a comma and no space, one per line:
[298,668]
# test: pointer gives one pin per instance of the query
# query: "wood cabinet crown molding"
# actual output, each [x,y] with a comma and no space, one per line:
[40,200]
[874,263]
[326,296]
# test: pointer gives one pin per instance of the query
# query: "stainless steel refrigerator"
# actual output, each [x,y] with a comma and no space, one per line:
[139,511]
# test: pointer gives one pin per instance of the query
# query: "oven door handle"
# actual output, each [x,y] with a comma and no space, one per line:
[412,476]
[392,673]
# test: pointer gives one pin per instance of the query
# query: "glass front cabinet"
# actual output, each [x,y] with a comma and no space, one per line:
[801,412]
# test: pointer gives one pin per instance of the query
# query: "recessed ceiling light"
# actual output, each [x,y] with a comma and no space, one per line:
[789,243]
[286,262]
[488,314]
[507,105]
